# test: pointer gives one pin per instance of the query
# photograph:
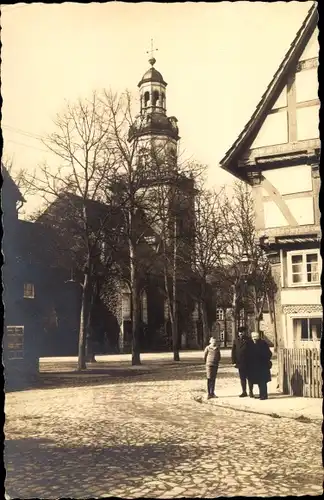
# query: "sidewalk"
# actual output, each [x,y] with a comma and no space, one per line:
[278,405]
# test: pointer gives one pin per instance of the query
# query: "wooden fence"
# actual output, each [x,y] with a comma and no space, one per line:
[300,372]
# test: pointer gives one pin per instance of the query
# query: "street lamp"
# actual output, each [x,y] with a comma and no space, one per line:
[245,266]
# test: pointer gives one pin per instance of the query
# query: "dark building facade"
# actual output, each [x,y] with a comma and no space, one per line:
[20,295]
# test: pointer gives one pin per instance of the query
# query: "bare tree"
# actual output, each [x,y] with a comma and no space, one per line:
[19,176]
[211,243]
[163,199]
[248,267]
[171,202]
[104,158]
[131,188]
[80,144]
[261,290]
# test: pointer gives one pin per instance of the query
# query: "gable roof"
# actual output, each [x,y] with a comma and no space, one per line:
[9,184]
[68,199]
[272,92]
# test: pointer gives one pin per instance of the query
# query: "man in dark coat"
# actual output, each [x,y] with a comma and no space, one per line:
[241,358]
[261,362]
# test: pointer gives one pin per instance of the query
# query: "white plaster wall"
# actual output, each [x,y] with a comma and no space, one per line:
[306,85]
[290,180]
[307,123]
[302,209]
[273,131]
[301,296]
[258,207]
[273,216]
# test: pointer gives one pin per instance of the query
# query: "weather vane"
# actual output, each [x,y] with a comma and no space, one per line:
[152,60]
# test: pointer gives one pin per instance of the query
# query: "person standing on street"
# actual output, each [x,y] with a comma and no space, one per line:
[241,358]
[212,358]
[261,359]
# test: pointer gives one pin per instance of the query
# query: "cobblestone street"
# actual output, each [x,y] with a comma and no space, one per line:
[139,438]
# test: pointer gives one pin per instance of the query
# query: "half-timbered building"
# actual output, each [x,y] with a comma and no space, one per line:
[277,153]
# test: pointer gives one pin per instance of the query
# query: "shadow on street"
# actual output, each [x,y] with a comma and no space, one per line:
[65,375]
[65,470]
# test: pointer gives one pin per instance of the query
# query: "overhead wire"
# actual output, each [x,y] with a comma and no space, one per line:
[26,145]
[23,132]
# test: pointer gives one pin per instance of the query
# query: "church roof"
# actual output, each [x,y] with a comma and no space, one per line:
[152,75]
[273,90]
[155,123]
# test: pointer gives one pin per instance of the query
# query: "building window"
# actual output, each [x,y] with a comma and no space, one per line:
[222,336]
[304,268]
[220,314]
[306,329]
[29,291]
[15,342]
[155,98]
[126,302]
[144,306]
[146,98]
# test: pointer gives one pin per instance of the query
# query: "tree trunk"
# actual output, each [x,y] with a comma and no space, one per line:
[175,332]
[205,325]
[234,314]
[83,323]
[90,356]
[136,358]
[257,322]
[172,317]
[225,329]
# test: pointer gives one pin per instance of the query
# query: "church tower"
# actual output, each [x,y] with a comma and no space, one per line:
[157,137]
[152,127]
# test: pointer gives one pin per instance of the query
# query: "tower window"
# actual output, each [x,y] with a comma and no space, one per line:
[163,99]
[146,98]
[155,98]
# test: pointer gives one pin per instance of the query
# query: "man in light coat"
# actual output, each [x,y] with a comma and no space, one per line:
[212,358]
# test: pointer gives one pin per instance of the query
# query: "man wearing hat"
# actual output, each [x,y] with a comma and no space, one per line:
[241,358]
[261,359]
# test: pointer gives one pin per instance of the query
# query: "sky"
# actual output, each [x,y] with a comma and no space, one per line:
[217,59]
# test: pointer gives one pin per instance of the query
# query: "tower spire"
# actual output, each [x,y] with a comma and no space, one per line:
[152,59]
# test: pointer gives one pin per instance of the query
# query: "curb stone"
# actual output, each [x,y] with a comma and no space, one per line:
[273,414]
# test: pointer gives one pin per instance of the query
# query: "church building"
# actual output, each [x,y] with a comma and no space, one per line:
[153,136]
[277,153]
